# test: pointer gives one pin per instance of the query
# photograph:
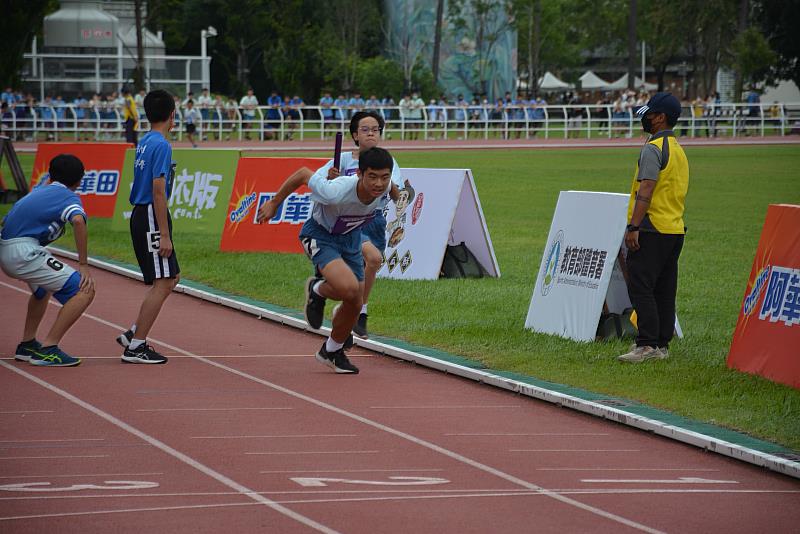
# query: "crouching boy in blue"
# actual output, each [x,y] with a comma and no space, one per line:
[332,239]
[35,221]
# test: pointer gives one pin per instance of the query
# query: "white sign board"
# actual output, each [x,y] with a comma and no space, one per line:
[437,207]
[577,263]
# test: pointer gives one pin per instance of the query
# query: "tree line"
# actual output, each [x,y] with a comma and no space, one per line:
[305,47]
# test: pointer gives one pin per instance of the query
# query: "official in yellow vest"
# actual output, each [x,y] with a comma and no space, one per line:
[131,117]
[655,231]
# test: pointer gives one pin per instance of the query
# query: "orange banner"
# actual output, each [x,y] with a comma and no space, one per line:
[257,180]
[102,163]
[766,341]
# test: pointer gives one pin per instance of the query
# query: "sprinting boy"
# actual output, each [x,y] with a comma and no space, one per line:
[332,239]
[366,129]
[151,225]
[35,221]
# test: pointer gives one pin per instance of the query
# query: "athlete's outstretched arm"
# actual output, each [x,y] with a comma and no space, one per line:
[82,246]
[299,177]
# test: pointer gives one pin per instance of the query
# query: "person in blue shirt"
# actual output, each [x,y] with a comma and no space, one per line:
[340,108]
[333,241]
[325,103]
[151,225]
[275,103]
[36,220]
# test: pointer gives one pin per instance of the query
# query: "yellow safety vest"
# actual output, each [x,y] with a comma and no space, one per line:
[667,205]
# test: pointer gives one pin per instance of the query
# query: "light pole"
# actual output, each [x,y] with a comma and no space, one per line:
[211,31]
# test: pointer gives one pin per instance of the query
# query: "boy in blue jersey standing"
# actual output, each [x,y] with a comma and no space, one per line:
[332,239]
[151,225]
[35,221]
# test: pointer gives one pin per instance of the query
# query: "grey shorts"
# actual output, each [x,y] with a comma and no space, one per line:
[25,259]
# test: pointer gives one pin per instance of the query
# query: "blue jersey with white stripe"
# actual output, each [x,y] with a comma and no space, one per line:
[153,160]
[43,213]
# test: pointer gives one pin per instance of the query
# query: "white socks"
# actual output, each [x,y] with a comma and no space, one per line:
[315,289]
[135,343]
[364,309]
[332,346]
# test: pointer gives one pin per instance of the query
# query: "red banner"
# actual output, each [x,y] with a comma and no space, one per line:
[102,163]
[257,180]
[767,336]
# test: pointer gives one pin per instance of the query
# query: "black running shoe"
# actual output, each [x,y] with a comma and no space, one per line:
[125,338]
[336,360]
[360,328]
[315,305]
[144,353]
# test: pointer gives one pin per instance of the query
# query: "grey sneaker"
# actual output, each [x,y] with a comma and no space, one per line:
[640,354]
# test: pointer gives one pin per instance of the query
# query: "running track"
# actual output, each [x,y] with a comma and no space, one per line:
[244,431]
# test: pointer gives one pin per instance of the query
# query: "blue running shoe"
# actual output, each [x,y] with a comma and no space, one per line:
[25,350]
[52,356]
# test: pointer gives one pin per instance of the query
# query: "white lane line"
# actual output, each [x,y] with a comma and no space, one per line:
[26,412]
[335,409]
[682,480]
[51,457]
[624,469]
[373,499]
[403,493]
[444,407]
[49,440]
[173,452]
[351,471]
[278,436]
[574,450]
[286,453]
[512,434]
[85,475]
[208,409]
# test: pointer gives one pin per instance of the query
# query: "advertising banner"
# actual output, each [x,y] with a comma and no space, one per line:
[574,275]
[257,180]
[766,341]
[200,191]
[102,163]
[437,207]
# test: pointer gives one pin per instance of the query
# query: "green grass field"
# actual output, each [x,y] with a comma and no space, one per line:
[483,319]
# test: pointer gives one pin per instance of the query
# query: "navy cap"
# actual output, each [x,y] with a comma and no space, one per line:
[662,103]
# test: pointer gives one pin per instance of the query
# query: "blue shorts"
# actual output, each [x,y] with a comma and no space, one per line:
[323,247]
[375,231]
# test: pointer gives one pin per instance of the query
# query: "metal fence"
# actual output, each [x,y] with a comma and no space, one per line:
[70,122]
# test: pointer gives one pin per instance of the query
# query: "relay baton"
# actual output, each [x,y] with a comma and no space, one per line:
[337,150]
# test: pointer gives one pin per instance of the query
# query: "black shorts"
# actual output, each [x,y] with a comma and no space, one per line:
[146,239]
[191,128]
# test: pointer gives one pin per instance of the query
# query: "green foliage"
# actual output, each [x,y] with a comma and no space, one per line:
[19,22]
[752,56]
[778,19]
[379,76]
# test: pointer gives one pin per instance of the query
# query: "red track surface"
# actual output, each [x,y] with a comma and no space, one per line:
[243,431]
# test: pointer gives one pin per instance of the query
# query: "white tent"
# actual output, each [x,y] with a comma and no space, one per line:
[622,83]
[591,81]
[549,82]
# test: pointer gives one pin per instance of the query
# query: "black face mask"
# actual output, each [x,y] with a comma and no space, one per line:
[647,124]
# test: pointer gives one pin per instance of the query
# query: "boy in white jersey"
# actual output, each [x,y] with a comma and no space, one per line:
[35,221]
[366,128]
[332,239]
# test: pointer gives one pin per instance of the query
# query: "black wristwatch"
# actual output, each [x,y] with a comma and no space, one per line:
[632,228]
